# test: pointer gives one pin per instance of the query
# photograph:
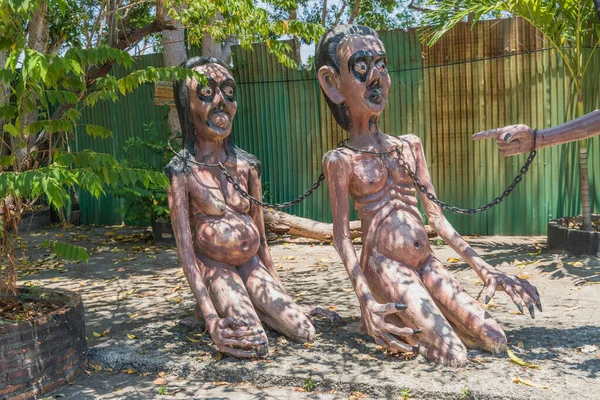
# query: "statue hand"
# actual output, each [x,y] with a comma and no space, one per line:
[235,337]
[511,140]
[384,333]
[519,290]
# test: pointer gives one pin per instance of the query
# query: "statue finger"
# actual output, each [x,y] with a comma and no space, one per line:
[491,134]
[397,346]
[244,332]
[239,353]
[490,290]
[535,295]
[245,344]
[398,331]
[514,296]
[528,301]
[389,308]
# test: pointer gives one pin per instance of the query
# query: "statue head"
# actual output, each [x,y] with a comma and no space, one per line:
[205,110]
[352,70]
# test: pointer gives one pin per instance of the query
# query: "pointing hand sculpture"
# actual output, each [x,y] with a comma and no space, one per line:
[220,235]
[519,139]
[409,301]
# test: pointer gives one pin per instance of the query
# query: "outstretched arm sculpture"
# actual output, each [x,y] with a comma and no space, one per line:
[220,235]
[518,139]
[409,301]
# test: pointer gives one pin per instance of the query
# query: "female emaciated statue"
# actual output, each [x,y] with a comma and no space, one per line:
[409,301]
[220,235]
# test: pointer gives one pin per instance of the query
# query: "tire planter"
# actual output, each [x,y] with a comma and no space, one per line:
[41,354]
[575,241]
[162,232]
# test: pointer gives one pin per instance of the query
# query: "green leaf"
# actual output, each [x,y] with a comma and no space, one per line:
[70,252]
[7,161]
[98,131]
[11,130]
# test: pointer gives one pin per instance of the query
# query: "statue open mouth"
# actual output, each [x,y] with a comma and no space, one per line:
[375,96]
[219,119]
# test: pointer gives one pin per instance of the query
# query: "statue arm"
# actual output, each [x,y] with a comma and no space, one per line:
[518,139]
[338,179]
[257,214]
[583,127]
[337,172]
[177,195]
[519,290]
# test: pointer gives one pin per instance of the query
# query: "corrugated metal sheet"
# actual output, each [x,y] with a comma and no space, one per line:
[495,75]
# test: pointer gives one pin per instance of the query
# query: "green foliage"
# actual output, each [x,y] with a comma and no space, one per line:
[309,384]
[405,393]
[247,22]
[67,251]
[568,25]
[142,204]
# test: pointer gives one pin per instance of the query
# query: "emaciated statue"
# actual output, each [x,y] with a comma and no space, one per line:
[409,301]
[220,235]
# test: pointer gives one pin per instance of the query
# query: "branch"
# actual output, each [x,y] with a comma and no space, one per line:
[341,12]
[411,5]
[354,11]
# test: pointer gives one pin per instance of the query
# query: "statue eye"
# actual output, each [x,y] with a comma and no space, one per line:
[381,67]
[228,91]
[206,91]
[360,67]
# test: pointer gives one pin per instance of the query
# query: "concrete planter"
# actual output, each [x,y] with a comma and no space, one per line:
[575,241]
[41,354]
[162,232]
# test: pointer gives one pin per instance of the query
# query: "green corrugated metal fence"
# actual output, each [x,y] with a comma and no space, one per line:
[494,75]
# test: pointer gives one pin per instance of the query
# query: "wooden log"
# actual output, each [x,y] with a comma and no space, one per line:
[282,223]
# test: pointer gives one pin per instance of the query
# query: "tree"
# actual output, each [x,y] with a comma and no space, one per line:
[569,26]
[57,60]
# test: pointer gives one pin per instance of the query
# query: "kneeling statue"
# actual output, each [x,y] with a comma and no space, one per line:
[220,235]
[409,301]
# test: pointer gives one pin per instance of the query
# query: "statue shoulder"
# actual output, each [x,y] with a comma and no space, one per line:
[336,157]
[181,163]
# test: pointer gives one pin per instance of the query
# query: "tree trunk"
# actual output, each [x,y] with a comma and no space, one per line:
[4,97]
[37,39]
[174,54]
[586,208]
[282,223]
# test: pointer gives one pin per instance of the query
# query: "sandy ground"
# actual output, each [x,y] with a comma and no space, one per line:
[135,296]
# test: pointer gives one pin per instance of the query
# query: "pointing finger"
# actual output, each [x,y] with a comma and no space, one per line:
[492,133]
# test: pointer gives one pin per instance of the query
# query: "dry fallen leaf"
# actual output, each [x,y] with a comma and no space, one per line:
[453,260]
[131,316]
[332,308]
[132,336]
[575,264]
[192,340]
[176,288]
[574,308]
[160,381]
[129,371]
[309,345]
[529,383]
[175,300]
[220,383]
[218,356]
[524,276]
[300,389]
[290,258]
[518,361]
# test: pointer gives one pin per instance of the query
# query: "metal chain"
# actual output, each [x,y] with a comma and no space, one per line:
[308,192]
[475,210]
[446,206]
[237,187]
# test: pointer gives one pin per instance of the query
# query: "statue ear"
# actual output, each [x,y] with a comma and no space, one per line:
[329,82]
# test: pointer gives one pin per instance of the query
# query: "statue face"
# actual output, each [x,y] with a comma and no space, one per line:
[364,81]
[213,106]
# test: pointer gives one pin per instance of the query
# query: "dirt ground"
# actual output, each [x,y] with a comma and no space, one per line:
[135,296]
